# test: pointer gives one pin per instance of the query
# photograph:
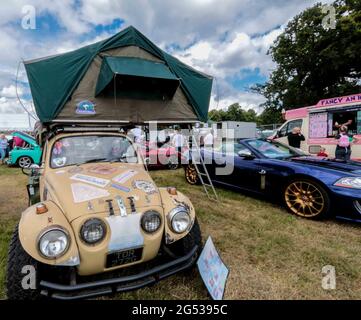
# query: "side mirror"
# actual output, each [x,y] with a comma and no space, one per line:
[246,154]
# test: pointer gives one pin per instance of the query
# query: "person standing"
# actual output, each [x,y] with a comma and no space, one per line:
[295,137]
[209,139]
[3,147]
[343,148]
[18,142]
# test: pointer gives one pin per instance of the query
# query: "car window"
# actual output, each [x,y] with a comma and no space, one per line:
[233,148]
[287,128]
[80,149]
[274,150]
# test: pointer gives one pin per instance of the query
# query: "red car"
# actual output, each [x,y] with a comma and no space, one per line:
[161,155]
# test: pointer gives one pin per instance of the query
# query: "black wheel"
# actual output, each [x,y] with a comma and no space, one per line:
[173,163]
[307,198]
[25,162]
[186,244]
[191,174]
[18,275]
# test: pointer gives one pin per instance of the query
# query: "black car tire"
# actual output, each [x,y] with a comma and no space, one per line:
[307,198]
[191,174]
[17,259]
[173,163]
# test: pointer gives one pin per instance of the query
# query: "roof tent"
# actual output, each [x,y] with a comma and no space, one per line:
[136,78]
[125,78]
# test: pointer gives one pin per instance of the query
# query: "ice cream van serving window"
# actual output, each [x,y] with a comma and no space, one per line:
[327,123]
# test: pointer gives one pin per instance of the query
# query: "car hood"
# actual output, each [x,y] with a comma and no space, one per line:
[353,167]
[85,189]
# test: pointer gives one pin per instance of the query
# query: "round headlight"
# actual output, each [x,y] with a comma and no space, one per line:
[179,219]
[150,221]
[93,231]
[53,243]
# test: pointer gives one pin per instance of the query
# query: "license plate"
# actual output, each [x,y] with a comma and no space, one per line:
[124,257]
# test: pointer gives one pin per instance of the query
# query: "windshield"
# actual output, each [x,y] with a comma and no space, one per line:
[274,150]
[85,149]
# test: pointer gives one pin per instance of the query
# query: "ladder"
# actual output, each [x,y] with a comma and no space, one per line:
[202,171]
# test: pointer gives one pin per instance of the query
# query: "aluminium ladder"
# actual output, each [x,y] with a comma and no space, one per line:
[203,175]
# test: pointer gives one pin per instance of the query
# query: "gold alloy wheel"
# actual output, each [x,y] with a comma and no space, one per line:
[191,174]
[304,199]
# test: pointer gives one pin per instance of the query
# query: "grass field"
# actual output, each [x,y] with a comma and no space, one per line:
[270,253]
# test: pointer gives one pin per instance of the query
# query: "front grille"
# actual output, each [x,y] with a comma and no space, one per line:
[357,205]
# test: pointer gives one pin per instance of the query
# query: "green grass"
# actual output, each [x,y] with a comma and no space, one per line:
[271,254]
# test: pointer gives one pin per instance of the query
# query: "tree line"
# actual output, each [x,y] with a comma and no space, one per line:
[315,58]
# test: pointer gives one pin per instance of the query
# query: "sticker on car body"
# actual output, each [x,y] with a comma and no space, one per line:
[83,192]
[125,232]
[99,182]
[124,176]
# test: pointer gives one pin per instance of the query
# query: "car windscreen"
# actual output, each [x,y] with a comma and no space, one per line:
[274,150]
[92,148]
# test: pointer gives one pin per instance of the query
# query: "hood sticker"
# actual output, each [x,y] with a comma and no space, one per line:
[125,176]
[125,232]
[83,192]
[102,169]
[119,187]
[99,182]
[75,170]
[146,186]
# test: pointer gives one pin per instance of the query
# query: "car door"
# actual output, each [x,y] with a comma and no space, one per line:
[246,172]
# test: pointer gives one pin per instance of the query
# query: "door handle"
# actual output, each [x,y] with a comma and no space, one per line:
[262,172]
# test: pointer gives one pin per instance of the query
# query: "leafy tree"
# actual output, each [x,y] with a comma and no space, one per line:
[313,62]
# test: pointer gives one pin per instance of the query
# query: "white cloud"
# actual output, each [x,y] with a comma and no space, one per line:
[219,38]
[10,91]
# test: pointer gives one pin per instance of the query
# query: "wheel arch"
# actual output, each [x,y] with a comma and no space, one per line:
[296,176]
[32,225]
[170,202]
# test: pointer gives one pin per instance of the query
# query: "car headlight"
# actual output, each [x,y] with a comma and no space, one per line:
[179,219]
[349,182]
[93,231]
[150,221]
[53,243]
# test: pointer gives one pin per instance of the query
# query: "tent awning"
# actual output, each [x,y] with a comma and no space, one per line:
[135,73]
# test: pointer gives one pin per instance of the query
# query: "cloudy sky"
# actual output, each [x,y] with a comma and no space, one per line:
[228,39]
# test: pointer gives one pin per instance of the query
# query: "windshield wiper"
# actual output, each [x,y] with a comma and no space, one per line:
[95,160]
[118,159]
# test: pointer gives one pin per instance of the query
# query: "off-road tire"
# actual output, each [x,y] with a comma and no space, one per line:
[17,259]
[186,244]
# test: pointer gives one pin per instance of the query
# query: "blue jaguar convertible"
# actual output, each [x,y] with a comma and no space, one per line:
[310,187]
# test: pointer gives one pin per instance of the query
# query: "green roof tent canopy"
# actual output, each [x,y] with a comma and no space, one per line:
[54,80]
[140,77]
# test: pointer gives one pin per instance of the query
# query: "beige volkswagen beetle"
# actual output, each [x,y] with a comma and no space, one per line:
[100,225]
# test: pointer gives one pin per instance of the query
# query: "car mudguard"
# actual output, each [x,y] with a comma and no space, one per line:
[33,225]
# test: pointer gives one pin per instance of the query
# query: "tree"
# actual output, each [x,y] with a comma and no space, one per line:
[314,62]
[233,113]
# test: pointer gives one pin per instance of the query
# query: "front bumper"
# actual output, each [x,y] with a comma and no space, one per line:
[346,203]
[120,284]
